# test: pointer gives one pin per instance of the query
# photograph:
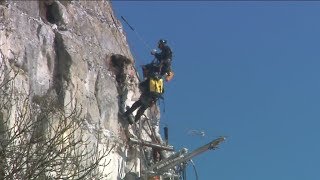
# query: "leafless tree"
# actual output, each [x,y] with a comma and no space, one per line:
[42,139]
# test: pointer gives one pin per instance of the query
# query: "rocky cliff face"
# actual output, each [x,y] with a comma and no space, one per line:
[76,53]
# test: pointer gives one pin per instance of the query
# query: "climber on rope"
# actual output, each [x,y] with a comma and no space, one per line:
[162,62]
[151,91]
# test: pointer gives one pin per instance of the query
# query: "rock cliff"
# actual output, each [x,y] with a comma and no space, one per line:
[74,53]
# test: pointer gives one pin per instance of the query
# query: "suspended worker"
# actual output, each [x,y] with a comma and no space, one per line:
[163,61]
[151,91]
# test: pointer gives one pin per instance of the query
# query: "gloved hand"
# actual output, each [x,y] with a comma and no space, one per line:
[154,51]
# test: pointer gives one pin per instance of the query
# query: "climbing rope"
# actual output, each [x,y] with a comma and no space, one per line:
[138,35]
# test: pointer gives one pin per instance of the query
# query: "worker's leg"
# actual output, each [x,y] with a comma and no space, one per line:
[140,112]
[166,68]
[133,107]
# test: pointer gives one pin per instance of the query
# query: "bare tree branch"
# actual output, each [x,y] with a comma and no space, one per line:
[40,139]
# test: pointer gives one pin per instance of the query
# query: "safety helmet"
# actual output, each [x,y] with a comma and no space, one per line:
[162,41]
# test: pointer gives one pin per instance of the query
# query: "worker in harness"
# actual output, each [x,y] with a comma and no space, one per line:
[151,91]
[162,61]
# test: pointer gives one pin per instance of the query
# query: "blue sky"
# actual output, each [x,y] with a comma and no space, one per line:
[248,70]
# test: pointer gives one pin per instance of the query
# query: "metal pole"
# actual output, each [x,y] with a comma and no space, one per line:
[163,166]
[166,136]
[150,144]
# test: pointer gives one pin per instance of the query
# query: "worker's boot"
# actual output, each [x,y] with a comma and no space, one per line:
[128,117]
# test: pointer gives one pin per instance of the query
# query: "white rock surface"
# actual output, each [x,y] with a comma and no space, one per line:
[66,47]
